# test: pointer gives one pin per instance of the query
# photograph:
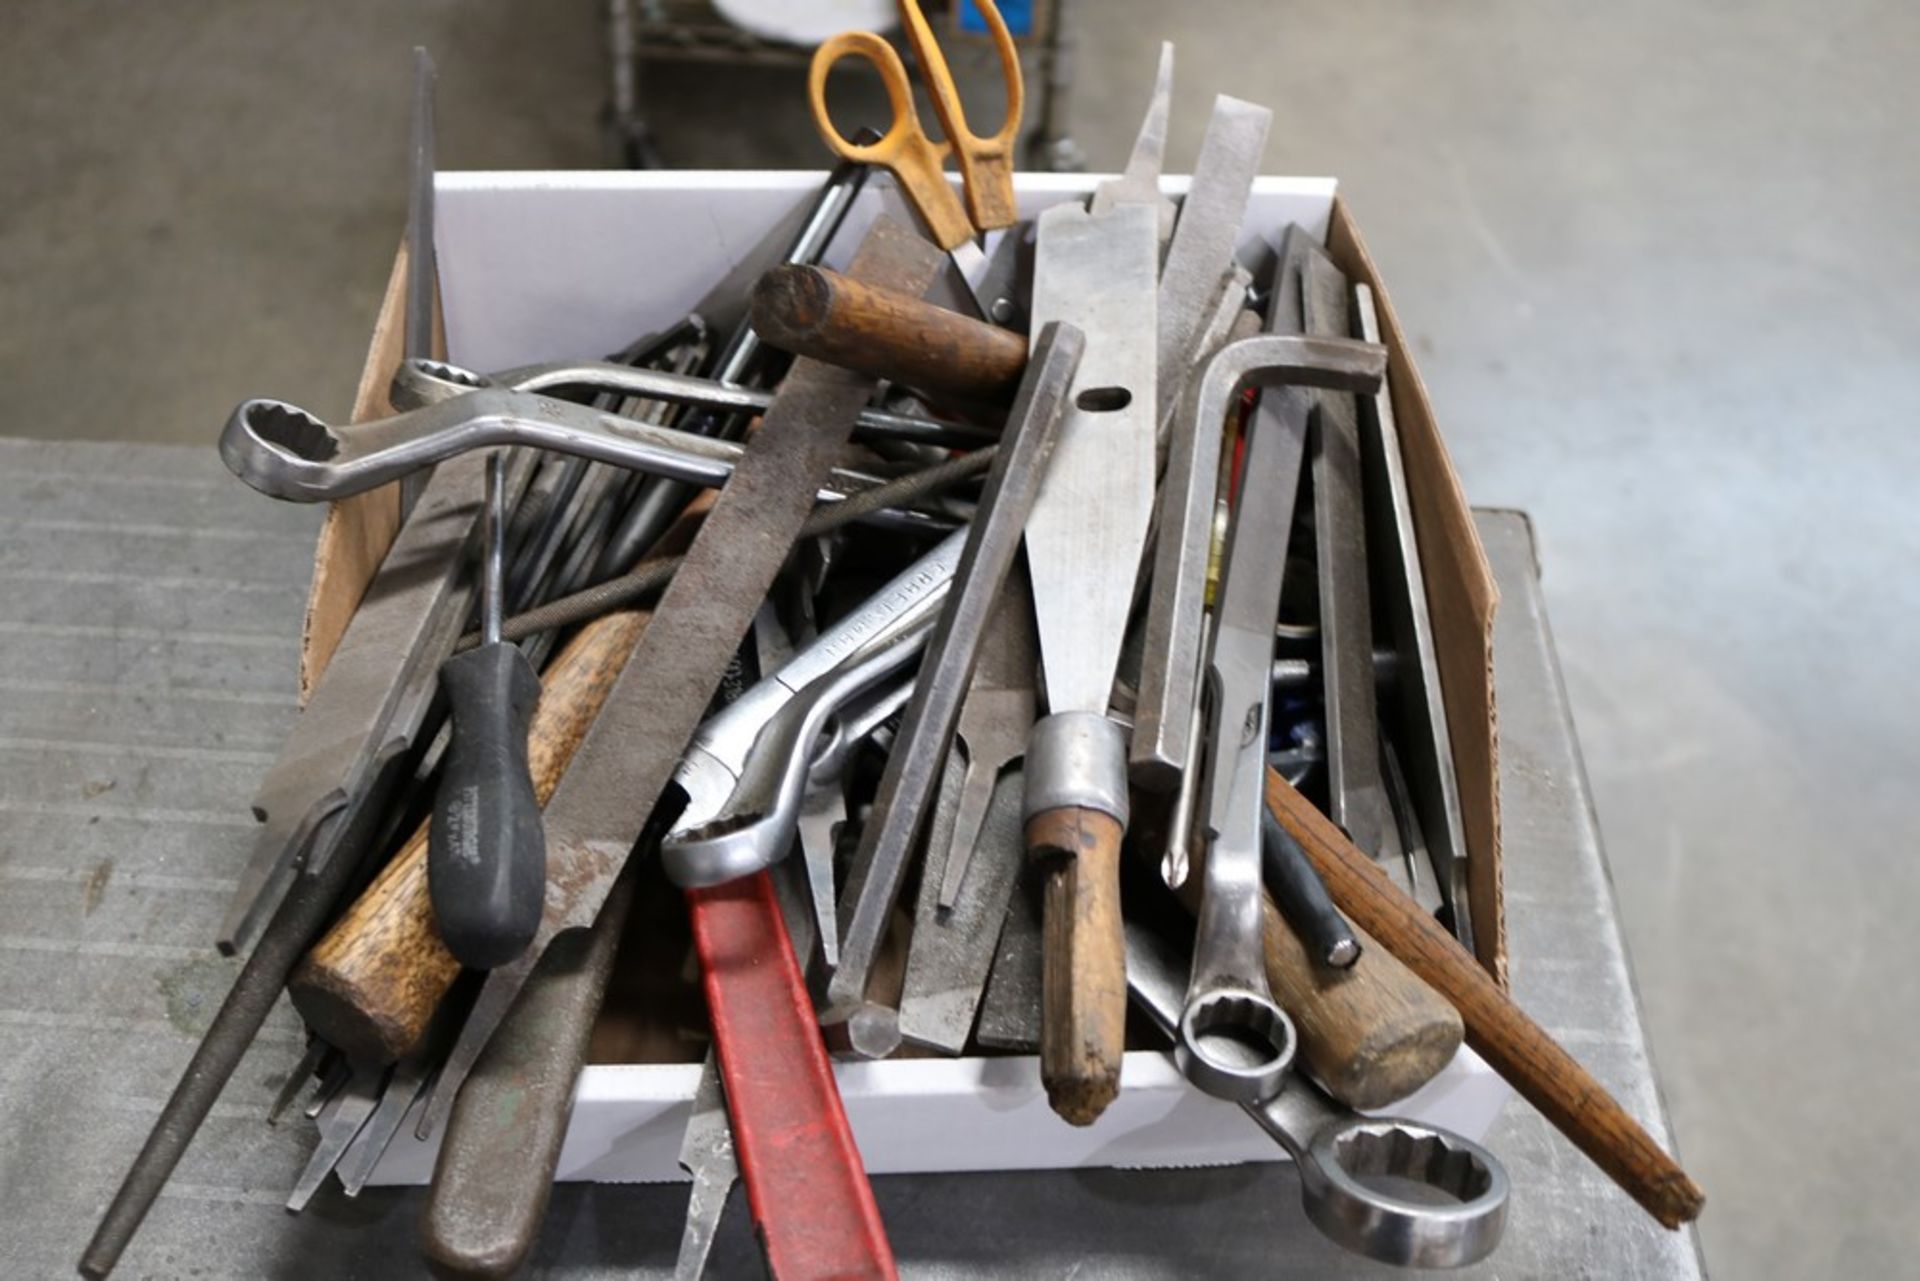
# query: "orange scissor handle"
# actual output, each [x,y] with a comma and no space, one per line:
[916,161]
[986,164]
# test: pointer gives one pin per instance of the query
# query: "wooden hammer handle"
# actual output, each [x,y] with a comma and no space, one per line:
[1371,1033]
[1517,1047]
[811,311]
[371,984]
[1083,986]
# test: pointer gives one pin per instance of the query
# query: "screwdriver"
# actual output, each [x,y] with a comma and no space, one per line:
[487,850]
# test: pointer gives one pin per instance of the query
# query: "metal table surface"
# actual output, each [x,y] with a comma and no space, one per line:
[151,607]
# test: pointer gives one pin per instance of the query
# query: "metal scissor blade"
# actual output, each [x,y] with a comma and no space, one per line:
[706,1153]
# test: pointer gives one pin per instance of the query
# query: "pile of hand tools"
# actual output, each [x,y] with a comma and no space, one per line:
[1057,638]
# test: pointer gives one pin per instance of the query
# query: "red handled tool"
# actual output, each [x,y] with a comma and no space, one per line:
[812,1204]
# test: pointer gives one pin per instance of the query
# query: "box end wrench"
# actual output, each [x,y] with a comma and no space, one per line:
[1228,997]
[286,452]
[1342,1155]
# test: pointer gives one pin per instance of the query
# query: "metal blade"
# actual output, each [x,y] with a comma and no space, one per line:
[1428,743]
[1089,526]
[706,1153]
[1356,792]
[422,265]
[340,1121]
[1207,235]
[1140,183]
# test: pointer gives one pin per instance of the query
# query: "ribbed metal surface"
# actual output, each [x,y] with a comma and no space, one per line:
[149,610]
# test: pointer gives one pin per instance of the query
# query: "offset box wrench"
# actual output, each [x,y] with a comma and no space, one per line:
[285,452]
[1344,1157]
[419,383]
[1229,998]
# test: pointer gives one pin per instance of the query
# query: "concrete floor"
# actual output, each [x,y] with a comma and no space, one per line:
[1660,262]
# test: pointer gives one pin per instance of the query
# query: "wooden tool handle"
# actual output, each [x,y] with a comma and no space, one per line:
[1083,1022]
[811,311]
[370,985]
[1371,1033]
[1517,1047]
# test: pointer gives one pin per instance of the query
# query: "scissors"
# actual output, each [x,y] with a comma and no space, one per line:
[916,161]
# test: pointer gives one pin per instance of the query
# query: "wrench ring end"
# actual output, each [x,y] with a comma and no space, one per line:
[1348,1160]
[1257,1038]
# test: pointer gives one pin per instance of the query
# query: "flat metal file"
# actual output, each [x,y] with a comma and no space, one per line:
[373,697]
[494,1173]
[1357,793]
[1428,743]
[1009,1017]
[1199,260]
[340,1121]
[1201,252]
[659,501]
[1084,543]
[623,766]
[1020,471]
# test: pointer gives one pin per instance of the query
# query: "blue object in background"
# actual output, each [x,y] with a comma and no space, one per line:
[1017,13]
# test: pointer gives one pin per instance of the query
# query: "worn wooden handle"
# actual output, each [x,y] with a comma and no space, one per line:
[811,311]
[370,985]
[1083,1021]
[373,981]
[1517,1047]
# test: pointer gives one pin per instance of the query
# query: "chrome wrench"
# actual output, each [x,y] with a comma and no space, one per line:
[419,383]
[1343,1157]
[285,452]
[1228,995]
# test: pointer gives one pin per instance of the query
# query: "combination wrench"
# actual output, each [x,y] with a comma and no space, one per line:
[1346,1158]
[1229,1004]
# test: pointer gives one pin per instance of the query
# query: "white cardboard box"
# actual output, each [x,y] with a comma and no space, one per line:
[540,266]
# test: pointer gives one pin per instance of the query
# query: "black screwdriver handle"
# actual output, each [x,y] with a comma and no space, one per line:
[487,847]
[1302,897]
